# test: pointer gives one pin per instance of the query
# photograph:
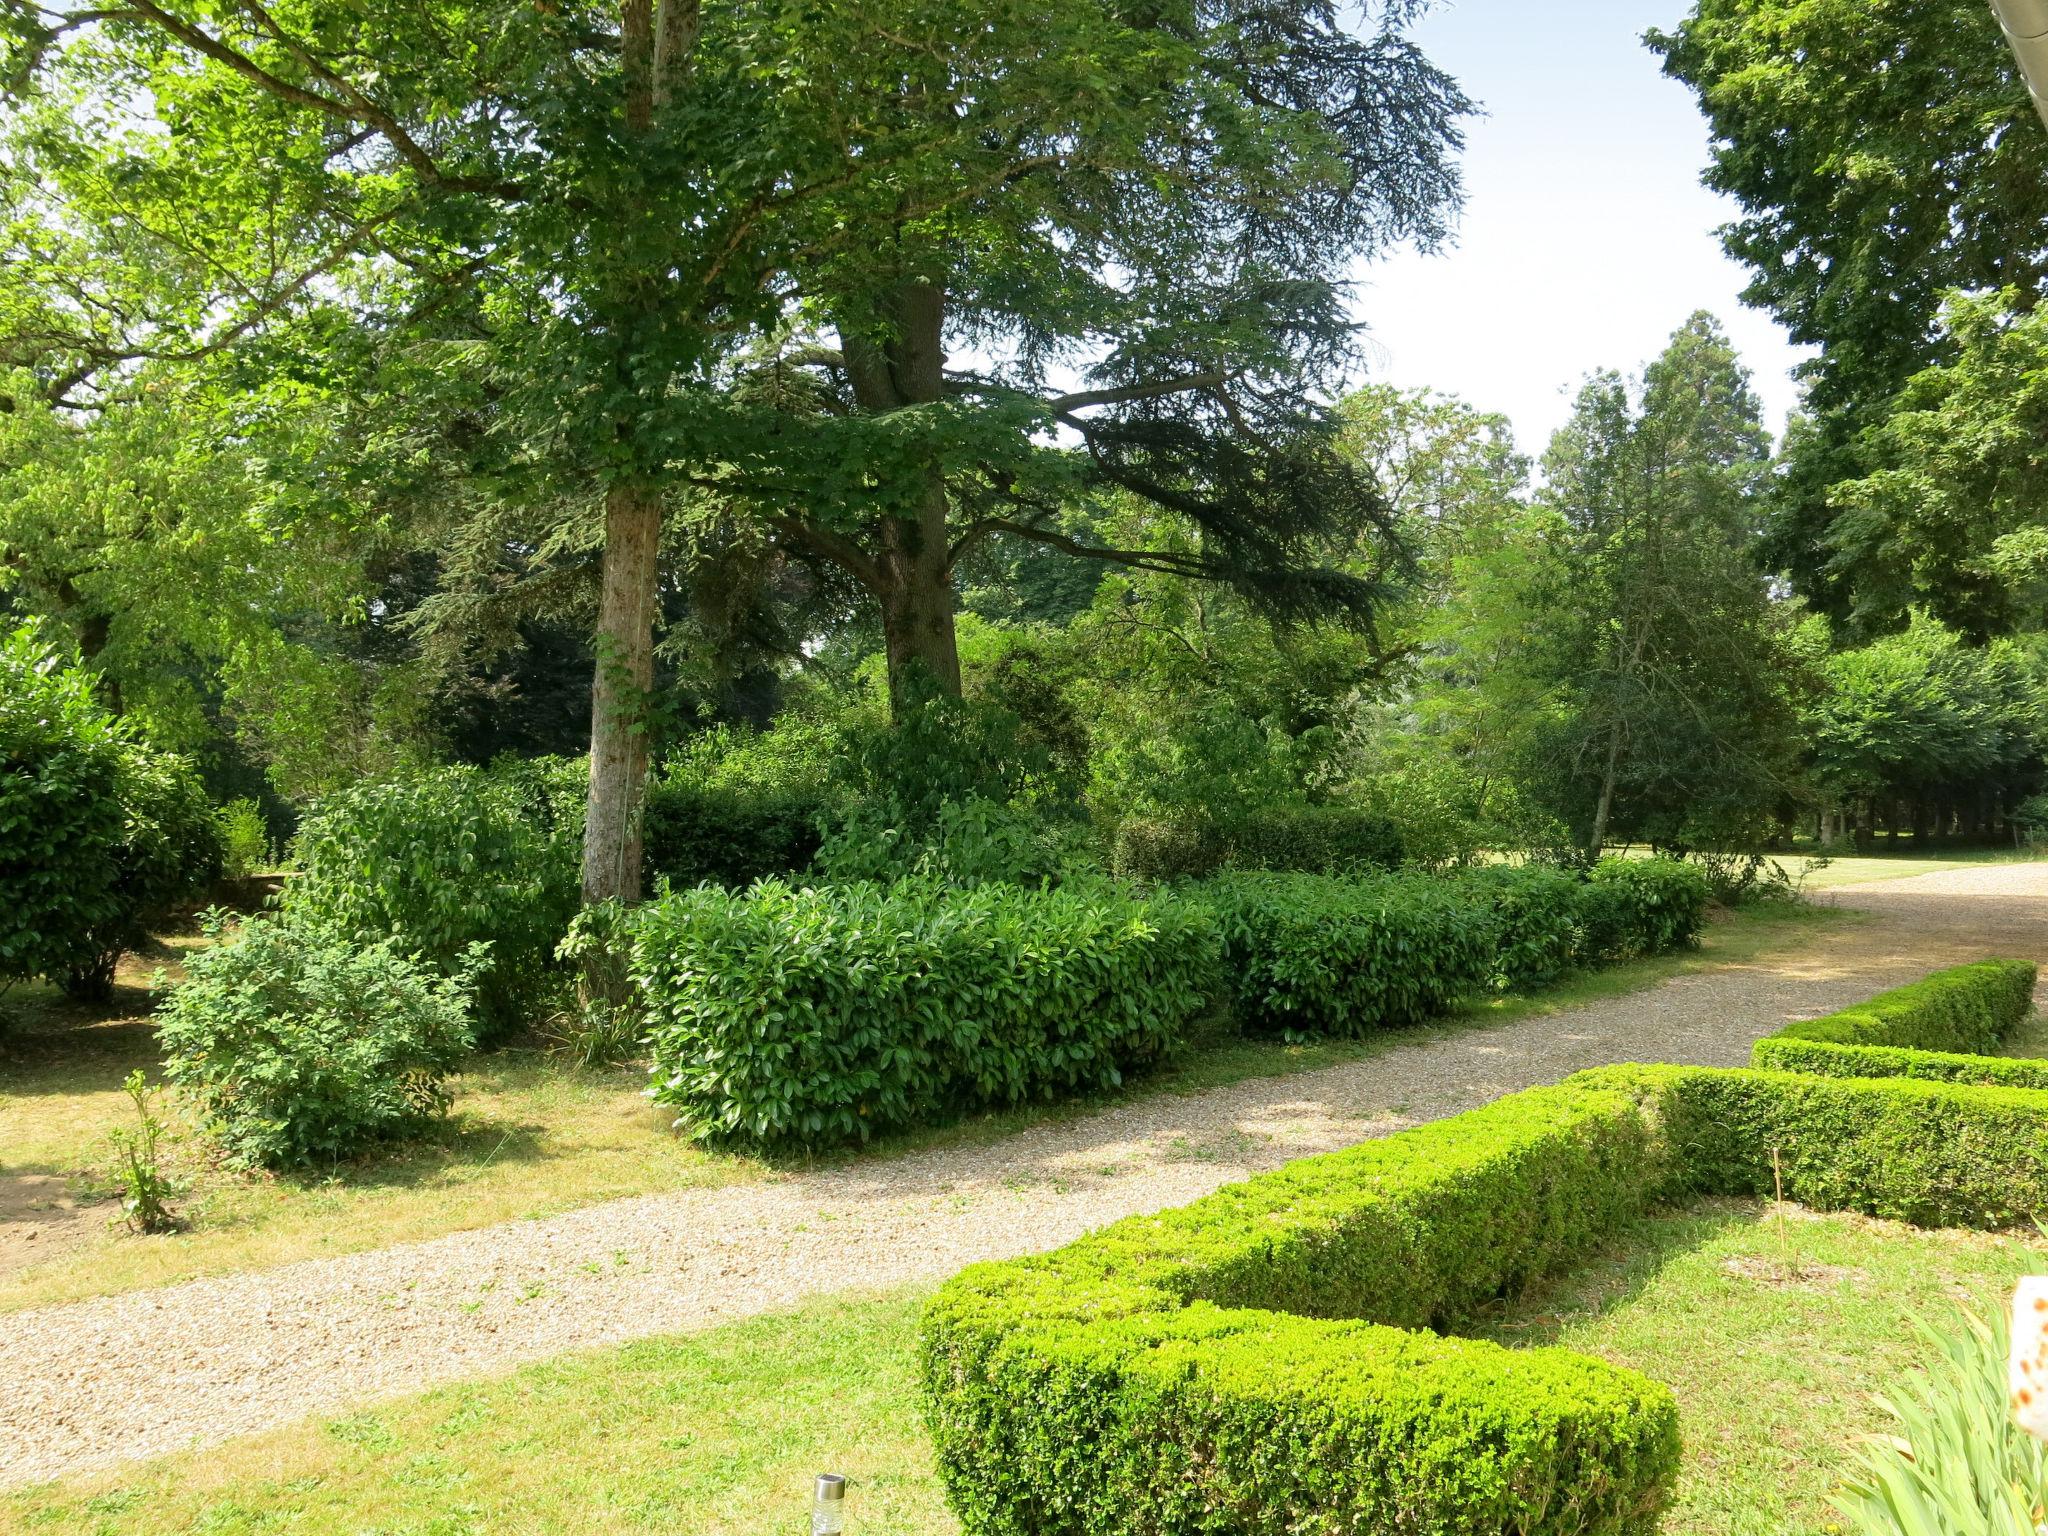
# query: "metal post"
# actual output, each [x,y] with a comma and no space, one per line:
[828,1505]
[2026,32]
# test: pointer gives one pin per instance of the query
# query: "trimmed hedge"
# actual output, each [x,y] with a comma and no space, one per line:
[785,1015]
[1310,955]
[1635,907]
[1965,1008]
[1821,1058]
[1168,1376]
[1540,929]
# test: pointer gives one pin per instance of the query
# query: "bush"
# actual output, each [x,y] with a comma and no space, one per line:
[813,1016]
[100,836]
[244,839]
[1636,907]
[1820,1058]
[1188,1373]
[1309,955]
[733,807]
[1966,1008]
[1539,932]
[454,858]
[1314,839]
[303,1045]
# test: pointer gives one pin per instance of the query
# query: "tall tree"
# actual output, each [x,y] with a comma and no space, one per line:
[565,228]
[1883,154]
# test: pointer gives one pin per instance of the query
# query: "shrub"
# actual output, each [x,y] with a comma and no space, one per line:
[1316,839]
[146,1189]
[735,807]
[100,836]
[811,1016]
[244,838]
[303,1045]
[1310,955]
[1188,1373]
[1821,1058]
[1539,932]
[451,859]
[1636,907]
[1966,1008]
[1151,1378]
[1934,1154]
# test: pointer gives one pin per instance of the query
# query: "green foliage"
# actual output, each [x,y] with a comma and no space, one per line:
[1278,1345]
[1148,1374]
[779,1015]
[451,859]
[1635,907]
[1968,1008]
[1310,955]
[244,839]
[604,1023]
[1326,839]
[304,1044]
[1826,1058]
[970,842]
[1930,1153]
[1958,1461]
[1539,927]
[735,808]
[100,836]
[146,1189]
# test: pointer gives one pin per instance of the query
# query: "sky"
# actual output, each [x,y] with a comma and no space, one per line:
[1587,238]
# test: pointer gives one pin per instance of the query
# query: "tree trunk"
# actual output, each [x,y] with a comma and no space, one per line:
[1598,837]
[620,693]
[913,579]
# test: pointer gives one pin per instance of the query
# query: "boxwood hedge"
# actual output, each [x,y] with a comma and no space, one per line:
[1255,1362]
[1965,1008]
[798,1015]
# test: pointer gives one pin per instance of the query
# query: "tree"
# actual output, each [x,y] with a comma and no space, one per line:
[1883,155]
[603,252]
[1639,681]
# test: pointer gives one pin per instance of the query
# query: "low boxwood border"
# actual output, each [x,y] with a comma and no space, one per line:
[1258,1354]
[1964,1008]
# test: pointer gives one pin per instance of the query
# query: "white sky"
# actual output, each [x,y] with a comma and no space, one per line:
[1587,238]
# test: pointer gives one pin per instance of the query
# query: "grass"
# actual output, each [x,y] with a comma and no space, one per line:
[1773,1334]
[1861,869]
[530,1136]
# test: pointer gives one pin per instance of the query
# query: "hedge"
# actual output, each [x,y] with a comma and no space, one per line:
[1967,1008]
[1312,955]
[1239,1362]
[787,1015]
[1821,1058]
[1326,839]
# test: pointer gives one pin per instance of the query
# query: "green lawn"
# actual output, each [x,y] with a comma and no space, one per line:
[529,1136]
[1860,869]
[1773,1335]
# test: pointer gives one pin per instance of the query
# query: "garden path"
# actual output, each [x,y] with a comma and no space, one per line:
[89,1384]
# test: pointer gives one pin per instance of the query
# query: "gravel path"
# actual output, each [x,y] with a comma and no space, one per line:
[93,1383]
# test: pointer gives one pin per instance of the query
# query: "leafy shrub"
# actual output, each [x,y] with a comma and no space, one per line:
[1277,1346]
[1934,1154]
[146,1189]
[100,835]
[1316,839]
[303,1045]
[785,1015]
[604,1024]
[1230,1364]
[1311,955]
[1820,1058]
[735,807]
[451,859]
[245,839]
[1538,930]
[1966,1008]
[1958,1461]
[1637,907]
[970,843]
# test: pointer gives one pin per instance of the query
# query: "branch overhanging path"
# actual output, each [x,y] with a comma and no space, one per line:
[241,1353]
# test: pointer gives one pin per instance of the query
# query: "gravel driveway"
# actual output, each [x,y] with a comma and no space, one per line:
[93,1383]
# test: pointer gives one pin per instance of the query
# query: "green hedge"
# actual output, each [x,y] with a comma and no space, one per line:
[1327,839]
[1313,955]
[1539,920]
[1820,1058]
[1635,907]
[784,1015]
[1168,1376]
[1966,1008]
